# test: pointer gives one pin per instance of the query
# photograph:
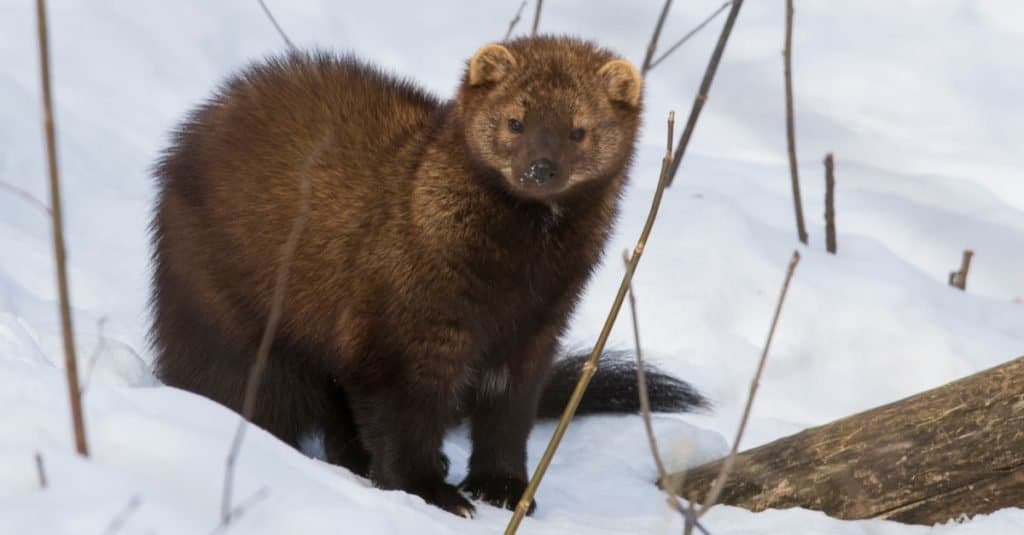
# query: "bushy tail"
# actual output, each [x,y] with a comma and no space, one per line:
[613,389]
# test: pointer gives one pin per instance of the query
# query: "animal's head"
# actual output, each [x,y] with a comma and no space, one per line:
[550,116]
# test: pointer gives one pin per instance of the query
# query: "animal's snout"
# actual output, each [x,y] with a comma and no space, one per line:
[542,170]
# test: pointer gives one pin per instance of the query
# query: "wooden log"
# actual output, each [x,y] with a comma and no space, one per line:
[955,450]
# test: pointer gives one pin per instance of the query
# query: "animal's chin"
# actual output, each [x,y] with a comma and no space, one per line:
[529,189]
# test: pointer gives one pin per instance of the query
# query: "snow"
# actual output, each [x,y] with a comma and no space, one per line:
[919,103]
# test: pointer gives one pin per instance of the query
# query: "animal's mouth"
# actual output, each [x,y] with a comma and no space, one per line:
[534,183]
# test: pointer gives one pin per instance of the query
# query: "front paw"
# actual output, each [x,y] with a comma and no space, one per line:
[446,497]
[500,491]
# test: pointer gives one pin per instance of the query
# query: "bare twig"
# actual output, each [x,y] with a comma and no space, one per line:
[688,35]
[705,87]
[958,279]
[64,299]
[90,367]
[24,194]
[590,367]
[794,174]
[723,474]
[273,319]
[40,470]
[641,384]
[830,207]
[965,266]
[536,16]
[641,375]
[266,11]
[102,342]
[672,500]
[653,45]
[118,521]
[242,508]
[515,20]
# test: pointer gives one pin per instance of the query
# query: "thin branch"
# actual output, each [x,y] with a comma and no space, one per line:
[101,343]
[273,319]
[798,207]
[242,508]
[57,214]
[723,474]
[277,26]
[958,279]
[688,35]
[590,367]
[705,88]
[965,266]
[536,16]
[672,500]
[653,45]
[118,521]
[40,470]
[641,375]
[830,206]
[641,384]
[515,20]
[24,194]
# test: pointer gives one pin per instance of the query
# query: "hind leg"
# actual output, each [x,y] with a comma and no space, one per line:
[195,355]
[342,443]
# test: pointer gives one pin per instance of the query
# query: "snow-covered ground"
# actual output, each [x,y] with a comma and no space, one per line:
[918,99]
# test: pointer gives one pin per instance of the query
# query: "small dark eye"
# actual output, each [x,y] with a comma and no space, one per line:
[515,126]
[577,134]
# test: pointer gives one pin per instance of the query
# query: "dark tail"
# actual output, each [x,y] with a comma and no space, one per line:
[613,389]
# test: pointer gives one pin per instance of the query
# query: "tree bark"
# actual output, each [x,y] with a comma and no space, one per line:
[955,450]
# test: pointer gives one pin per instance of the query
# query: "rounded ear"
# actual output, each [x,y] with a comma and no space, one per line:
[622,82]
[490,64]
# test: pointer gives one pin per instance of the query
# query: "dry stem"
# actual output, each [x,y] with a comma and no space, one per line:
[705,87]
[641,384]
[830,207]
[273,319]
[672,500]
[688,35]
[118,521]
[40,470]
[958,279]
[723,474]
[64,299]
[798,208]
[90,367]
[591,365]
[653,45]
[242,508]
[266,11]
[24,194]
[515,20]
[536,16]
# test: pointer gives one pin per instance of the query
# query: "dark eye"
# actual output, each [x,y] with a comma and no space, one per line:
[515,126]
[577,134]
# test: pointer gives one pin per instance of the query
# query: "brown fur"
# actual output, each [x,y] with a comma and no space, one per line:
[438,267]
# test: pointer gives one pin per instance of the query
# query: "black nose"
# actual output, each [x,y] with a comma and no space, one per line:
[542,170]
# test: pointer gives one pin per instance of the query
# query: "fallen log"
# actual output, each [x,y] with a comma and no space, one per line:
[951,451]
